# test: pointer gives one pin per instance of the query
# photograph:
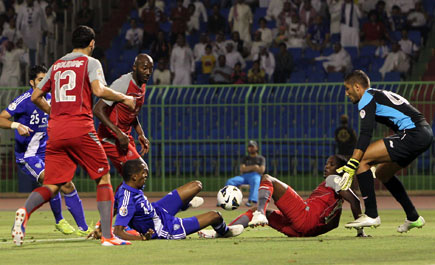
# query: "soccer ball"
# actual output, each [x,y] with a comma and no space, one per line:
[229,197]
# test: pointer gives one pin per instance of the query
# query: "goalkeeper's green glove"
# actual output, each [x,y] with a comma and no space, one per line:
[348,170]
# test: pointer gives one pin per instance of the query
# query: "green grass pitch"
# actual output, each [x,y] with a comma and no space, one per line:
[263,245]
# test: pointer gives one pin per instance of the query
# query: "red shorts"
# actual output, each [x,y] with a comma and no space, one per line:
[62,157]
[294,217]
[117,156]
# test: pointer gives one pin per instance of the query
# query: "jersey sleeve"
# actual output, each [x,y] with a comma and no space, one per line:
[332,182]
[119,85]
[262,161]
[367,113]
[126,210]
[18,105]
[95,71]
[45,84]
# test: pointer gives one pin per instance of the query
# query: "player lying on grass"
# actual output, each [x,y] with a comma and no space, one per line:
[157,220]
[30,125]
[297,217]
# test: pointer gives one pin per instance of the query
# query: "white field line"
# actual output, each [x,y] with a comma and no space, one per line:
[47,240]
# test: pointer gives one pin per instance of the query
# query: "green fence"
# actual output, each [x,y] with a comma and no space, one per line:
[200,132]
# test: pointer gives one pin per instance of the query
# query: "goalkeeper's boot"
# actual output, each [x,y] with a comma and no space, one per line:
[19,228]
[64,227]
[408,225]
[114,241]
[196,202]
[364,221]
[258,219]
[233,230]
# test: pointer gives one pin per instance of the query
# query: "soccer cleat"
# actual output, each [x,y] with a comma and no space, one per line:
[249,203]
[258,219]
[114,241]
[19,228]
[364,221]
[233,231]
[83,233]
[408,225]
[196,202]
[64,227]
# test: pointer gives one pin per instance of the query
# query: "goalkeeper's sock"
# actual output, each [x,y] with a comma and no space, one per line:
[395,186]
[56,207]
[265,192]
[75,207]
[367,187]
[221,228]
[243,219]
[36,199]
[105,207]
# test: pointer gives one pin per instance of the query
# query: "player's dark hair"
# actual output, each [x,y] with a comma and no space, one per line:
[35,70]
[341,160]
[131,167]
[358,77]
[82,36]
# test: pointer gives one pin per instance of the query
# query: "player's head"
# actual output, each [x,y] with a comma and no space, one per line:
[135,172]
[332,164]
[36,74]
[355,85]
[252,147]
[143,68]
[83,37]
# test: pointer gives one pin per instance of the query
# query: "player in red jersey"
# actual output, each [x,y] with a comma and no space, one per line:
[117,120]
[296,217]
[72,138]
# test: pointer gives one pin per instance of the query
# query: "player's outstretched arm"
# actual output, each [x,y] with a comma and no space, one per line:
[101,91]
[38,98]
[355,207]
[119,232]
[5,123]
[144,142]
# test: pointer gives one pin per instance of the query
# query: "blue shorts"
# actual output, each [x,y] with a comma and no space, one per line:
[33,166]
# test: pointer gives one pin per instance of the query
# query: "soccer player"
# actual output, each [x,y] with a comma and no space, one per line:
[72,138]
[296,217]
[117,120]
[30,142]
[413,136]
[157,220]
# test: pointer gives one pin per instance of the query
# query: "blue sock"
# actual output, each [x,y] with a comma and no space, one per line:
[221,228]
[56,207]
[75,207]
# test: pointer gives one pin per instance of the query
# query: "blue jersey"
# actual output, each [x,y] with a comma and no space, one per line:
[387,108]
[134,210]
[25,112]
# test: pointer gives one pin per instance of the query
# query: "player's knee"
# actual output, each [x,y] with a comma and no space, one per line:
[267,177]
[197,185]
[68,187]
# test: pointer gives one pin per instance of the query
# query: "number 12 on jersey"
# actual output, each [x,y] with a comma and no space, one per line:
[60,91]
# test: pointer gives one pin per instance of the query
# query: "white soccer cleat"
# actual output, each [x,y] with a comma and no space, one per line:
[258,219]
[364,221]
[196,202]
[207,234]
[233,231]
[408,225]
[19,228]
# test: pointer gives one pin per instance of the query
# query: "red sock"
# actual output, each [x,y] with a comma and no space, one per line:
[36,199]
[265,192]
[248,214]
[105,207]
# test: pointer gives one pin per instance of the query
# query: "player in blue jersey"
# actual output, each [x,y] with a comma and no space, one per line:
[30,124]
[413,136]
[157,220]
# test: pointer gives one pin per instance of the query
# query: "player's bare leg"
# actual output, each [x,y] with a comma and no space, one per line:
[220,229]
[188,193]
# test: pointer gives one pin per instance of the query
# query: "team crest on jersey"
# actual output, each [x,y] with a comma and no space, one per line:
[12,106]
[337,179]
[123,211]
[362,114]
[38,165]
[176,226]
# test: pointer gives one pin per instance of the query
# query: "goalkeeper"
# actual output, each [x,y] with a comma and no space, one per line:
[413,136]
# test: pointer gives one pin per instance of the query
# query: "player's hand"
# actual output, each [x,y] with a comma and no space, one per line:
[145,144]
[349,171]
[23,130]
[123,140]
[130,102]
[147,235]
[96,234]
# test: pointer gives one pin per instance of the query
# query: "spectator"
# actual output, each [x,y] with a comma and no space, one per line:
[256,75]
[86,15]
[240,19]
[323,11]
[397,19]
[11,32]
[284,65]
[274,9]
[208,60]
[396,60]
[252,167]
[179,18]
[134,36]
[284,17]
[182,62]
[339,61]
[151,17]
[233,56]
[381,14]
[407,46]
[238,76]
[281,36]
[199,48]
[382,50]
[345,138]
[221,74]
[318,35]
[307,13]
[266,33]
[267,62]
[256,44]
[191,30]
[162,75]
[161,48]
[349,28]
[240,44]
[160,4]
[405,5]
[50,16]
[417,20]
[373,31]
[219,44]
[335,11]
[199,11]
[216,21]
[11,73]
[296,33]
